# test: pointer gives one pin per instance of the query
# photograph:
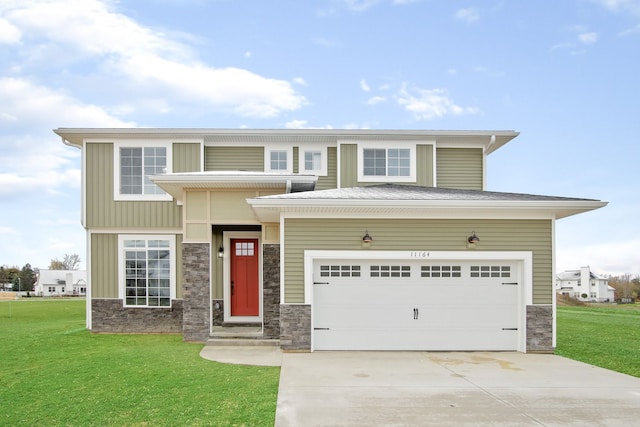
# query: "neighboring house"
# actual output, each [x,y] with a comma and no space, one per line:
[325,239]
[61,282]
[584,285]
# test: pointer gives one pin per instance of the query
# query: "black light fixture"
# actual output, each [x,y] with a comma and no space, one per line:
[221,252]
[367,237]
[473,239]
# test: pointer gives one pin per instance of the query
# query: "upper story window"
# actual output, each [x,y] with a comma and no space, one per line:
[312,160]
[278,158]
[134,164]
[378,163]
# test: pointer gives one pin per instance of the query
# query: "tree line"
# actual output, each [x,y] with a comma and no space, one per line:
[25,278]
[626,285]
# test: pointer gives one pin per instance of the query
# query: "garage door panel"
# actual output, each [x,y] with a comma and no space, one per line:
[361,310]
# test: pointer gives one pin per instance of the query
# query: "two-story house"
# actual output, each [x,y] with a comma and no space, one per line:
[61,282]
[324,239]
[584,285]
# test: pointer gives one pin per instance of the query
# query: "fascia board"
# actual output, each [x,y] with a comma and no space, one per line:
[422,209]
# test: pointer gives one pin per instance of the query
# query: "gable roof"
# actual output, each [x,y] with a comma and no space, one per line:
[421,202]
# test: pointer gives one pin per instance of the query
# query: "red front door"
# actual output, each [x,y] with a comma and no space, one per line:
[245,289]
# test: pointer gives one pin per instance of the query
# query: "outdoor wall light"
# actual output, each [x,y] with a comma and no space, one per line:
[367,238]
[473,239]
[221,252]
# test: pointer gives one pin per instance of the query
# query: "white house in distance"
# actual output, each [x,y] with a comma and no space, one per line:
[61,282]
[577,283]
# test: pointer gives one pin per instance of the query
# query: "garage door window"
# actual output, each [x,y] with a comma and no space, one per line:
[390,271]
[441,271]
[339,271]
[490,271]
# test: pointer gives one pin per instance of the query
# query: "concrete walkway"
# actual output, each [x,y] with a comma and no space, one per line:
[451,389]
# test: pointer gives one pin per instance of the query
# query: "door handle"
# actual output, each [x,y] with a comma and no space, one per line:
[232,288]
[416,314]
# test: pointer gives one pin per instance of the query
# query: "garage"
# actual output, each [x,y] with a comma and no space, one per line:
[395,303]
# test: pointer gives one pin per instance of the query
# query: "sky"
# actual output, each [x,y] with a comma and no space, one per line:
[565,74]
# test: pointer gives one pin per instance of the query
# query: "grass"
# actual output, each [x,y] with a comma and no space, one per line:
[605,336]
[55,373]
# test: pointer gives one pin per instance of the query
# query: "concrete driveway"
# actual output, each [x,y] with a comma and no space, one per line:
[440,389]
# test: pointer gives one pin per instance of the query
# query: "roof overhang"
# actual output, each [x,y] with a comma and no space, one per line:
[176,184]
[270,210]
[489,140]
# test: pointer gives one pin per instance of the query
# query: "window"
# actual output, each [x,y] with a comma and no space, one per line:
[134,164]
[490,271]
[339,271]
[313,160]
[378,163]
[593,294]
[390,271]
[441,271]
[147,270]
[278,160]
[52,289]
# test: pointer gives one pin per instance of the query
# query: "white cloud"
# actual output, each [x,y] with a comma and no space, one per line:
[8,231]
[630,31]
[468,15]
[360,5]
[588,38]
[430,104]
[300,81]
[303,124]
[364,86]
[29,105]
[152,61]
[631,6]
[376,100]
[9,33]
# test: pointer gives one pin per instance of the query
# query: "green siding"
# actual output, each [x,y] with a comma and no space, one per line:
[428,235]
[104,212]
[459,168]
[295,160]
[331,180]
[349,167]
[186,157]
[234,159]
[104,266]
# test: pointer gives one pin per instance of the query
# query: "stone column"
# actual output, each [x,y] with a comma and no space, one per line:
[540,328]
[196,291]
[271,291]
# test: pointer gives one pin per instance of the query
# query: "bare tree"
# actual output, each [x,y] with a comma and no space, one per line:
[624,285]
[69,262]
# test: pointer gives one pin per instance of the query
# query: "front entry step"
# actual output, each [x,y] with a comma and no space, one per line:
[243,342]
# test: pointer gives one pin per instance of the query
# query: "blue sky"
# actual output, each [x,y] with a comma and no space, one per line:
[565,74]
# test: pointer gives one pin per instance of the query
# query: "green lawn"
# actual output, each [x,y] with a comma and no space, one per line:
[608,337]
[55,373]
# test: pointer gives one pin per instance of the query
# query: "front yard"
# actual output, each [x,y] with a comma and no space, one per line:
[605,336]
[54,372]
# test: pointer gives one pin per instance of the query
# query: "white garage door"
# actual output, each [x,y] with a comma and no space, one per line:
[415,305]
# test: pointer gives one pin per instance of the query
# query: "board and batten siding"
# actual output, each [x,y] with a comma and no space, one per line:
[414,234]
[186,157]
[459,168]
[349,167]
[102,211]
[104,265]
[234,159]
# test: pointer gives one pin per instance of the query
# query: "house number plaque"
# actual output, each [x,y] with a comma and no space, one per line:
[419,254]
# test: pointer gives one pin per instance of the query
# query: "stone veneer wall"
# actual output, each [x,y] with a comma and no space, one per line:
[295,327]
[109,315]
[271,291]
[540,328]
[196,291]
[218,313]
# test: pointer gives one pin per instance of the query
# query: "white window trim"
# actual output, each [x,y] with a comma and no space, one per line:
[278,147]
[117,145]
[323,171]
[386,145]
[121,269]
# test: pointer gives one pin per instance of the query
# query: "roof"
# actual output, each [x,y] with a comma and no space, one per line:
[175,183]
[421,202]
[489,140]
[576,274]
